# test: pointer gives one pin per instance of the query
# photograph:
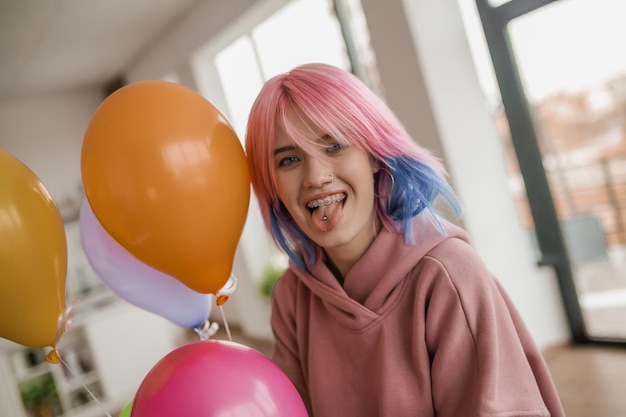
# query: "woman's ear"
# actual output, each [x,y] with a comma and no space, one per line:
[375,165]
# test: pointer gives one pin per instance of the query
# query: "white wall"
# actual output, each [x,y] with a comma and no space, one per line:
[46,134]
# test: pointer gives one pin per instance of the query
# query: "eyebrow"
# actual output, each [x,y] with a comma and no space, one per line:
[293,148]
[284,149]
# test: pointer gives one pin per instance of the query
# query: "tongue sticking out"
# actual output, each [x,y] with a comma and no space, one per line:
[325,218]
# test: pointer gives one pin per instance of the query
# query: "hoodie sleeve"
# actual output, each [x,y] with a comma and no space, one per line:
[484,361]
[286,353]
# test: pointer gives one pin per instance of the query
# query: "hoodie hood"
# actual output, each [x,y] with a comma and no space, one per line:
[376,280]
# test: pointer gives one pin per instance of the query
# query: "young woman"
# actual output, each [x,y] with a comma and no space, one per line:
[385,309]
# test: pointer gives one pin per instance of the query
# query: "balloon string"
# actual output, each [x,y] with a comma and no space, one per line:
[222,297]
[230,338]
[73,373]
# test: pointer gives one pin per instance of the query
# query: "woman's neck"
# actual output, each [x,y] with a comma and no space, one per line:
[340,260]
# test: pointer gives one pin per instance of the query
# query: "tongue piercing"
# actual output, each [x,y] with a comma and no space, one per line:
[324,218]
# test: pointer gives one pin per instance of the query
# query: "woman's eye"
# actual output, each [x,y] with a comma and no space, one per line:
[335,147]
[287,161]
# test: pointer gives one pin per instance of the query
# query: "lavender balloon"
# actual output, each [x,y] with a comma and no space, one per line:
[136,282]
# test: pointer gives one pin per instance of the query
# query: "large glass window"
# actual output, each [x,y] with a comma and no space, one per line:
[303,31]
[573,75]
[300,32]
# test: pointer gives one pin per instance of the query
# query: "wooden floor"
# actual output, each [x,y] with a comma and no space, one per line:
[591,379]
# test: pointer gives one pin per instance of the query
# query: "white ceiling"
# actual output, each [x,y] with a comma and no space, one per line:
[55,45]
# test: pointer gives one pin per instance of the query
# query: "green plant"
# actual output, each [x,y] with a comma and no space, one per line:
[270,276]
[39,393]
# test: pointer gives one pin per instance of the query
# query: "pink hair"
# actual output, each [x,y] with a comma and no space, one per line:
[335,102]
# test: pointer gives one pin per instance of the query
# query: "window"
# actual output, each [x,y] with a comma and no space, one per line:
[301,31]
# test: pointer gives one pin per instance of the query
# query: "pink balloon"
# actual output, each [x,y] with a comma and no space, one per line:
[213,378]
[136,282]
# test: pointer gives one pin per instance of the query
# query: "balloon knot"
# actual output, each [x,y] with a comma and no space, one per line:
[221,300]
[207,330]
[53,356]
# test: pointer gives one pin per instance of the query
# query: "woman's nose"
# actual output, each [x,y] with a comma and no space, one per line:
[317,173]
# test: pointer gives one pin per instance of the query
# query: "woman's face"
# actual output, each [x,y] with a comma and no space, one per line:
[329,194]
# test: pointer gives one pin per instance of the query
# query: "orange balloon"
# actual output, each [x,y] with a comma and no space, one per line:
[166,176]
[33,257]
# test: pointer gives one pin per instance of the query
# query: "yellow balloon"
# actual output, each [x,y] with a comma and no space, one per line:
[33,257]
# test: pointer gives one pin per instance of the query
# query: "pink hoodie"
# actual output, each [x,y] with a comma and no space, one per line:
[416,330]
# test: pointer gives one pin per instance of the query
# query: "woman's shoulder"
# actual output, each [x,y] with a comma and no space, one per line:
[286,285]
[460,263]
